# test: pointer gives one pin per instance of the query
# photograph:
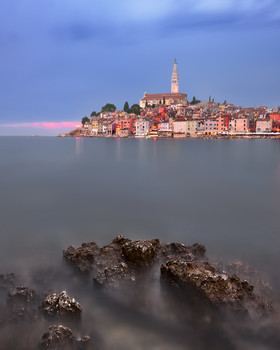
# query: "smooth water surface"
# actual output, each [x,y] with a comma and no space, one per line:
[56,192]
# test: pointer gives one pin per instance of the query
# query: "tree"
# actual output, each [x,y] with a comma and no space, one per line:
[109,107]
[126,107]
[164,100]
[93,114]
[146,104]
[160,102]
[85,120]
[135,109]
[225,102]
[194,101]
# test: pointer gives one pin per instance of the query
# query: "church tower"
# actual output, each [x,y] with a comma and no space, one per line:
[175,79]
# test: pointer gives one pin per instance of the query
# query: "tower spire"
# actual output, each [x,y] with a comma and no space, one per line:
[175,79]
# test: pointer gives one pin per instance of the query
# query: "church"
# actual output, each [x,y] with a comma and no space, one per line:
[175,97]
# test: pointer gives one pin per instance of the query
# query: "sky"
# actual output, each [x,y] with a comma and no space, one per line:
[63,59]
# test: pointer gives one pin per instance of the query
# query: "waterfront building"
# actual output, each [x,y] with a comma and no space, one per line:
[173,98]
[223,123]
[210,126]
[179,127]
[264,125]
[192,125]
[126,123]
[239,125]
[142,127]
[164,126]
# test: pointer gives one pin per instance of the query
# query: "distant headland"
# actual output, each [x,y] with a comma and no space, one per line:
[171,115]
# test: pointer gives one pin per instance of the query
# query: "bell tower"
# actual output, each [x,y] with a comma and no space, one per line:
[175,79]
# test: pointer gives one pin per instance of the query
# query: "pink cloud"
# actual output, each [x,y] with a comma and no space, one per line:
[45,125]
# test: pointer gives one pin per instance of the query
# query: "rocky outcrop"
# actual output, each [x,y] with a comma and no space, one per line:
[7,281]
[202,280]
[61,304]
[187,267]
[22,303]
[251,275]
[141,253]
[60,337]
[124,260]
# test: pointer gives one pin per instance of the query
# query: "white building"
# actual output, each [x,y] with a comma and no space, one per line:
[180,127]
[142,127]
[165,127]
[264,125]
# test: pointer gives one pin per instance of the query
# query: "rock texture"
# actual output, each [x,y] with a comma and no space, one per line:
[60,337]
[22,303]
[124,260]
[61,304]
[217,287]
[187,267]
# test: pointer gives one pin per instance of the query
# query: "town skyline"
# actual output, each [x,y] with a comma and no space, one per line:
[62,60]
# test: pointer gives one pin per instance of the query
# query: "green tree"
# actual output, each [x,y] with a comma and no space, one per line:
[135,109]
[126,107]
[194,101]
[164,100]
[225,102]
[93,114]
[109,107]
[160,102]
[85,120]
[146,104]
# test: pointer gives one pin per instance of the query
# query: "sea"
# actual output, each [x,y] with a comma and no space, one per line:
[56,192]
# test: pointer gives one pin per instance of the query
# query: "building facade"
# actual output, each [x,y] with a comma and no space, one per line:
[173,98]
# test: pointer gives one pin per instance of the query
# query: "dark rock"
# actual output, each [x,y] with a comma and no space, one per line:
[249,274]
[58,338]
[23,303]
[128,261]
[84,342]
[218,288]
[7,281]
[61,304]
[138,252]
[61,338]
[82,257]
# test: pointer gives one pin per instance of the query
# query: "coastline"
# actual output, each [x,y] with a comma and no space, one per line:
[272,136]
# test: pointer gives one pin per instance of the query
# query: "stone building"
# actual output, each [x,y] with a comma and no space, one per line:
[173,98]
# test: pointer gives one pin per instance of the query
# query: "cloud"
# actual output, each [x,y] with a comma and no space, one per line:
[44,125]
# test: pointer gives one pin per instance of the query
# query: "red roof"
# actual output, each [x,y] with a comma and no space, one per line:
[161,96]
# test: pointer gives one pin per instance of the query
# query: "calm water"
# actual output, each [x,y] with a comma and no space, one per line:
[55,192]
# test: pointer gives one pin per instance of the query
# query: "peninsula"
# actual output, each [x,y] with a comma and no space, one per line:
[166,115]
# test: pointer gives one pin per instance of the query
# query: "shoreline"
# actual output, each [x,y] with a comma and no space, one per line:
[205,137]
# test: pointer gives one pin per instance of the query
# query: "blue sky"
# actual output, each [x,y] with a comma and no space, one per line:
[62,59]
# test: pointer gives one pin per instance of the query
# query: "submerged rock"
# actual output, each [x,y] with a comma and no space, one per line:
[60,337]
[251,275]
[61,304]
[124,259]
[7,281]
[202,280]
[141,253]
[23,303]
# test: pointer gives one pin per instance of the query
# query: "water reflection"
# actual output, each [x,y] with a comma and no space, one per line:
[79,145]
[224,194]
